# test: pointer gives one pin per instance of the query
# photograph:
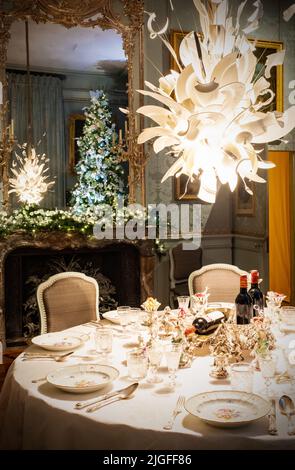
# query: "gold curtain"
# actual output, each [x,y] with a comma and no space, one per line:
[279,224]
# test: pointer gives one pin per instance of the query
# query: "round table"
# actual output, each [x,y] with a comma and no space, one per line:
[40,416]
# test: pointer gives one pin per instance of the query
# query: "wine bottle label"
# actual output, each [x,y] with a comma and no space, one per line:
[213,316]
[244,313]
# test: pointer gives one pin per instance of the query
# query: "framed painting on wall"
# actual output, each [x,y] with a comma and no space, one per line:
[263,49]
[244,202]
[76,124]
[184,190]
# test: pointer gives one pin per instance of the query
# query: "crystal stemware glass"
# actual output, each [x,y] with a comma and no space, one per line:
[199,302]
[155,353]
[173,354]
[104,342]
[135,317]
[183,302]
[242,377]
[124,316]
[137,363]
[267,366]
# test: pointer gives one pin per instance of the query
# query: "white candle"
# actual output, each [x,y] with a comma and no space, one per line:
[11,130]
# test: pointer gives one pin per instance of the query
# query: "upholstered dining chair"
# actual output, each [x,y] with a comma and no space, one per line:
[222,280]
[67,299]
[182,262]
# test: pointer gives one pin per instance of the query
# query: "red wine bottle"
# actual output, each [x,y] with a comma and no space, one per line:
[206,324]
[243,302]
[255,293]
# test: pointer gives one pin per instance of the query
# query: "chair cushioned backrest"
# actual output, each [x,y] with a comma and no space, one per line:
[185,261]
[223,284]
[69,302]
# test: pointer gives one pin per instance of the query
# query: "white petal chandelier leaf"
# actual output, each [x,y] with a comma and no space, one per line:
[213,108]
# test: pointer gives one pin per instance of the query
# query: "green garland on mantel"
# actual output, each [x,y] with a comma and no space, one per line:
[32,219]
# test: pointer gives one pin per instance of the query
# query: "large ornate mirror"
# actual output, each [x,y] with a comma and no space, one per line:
[73,49]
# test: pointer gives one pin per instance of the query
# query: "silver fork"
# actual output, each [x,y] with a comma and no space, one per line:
[176,411]
[55,357]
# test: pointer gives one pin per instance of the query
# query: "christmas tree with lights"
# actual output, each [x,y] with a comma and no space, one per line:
[100,175]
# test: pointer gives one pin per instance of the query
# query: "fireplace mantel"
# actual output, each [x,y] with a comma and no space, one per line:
[58,241]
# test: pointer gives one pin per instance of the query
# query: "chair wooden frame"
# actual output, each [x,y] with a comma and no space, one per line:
[52,280]
[211,267]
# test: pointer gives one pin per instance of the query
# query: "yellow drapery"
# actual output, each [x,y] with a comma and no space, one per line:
[279,224]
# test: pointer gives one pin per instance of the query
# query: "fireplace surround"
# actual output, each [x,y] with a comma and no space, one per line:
[129,264]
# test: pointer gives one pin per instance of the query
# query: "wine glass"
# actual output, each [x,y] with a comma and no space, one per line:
[104,342]
[124,316]
[135,317]
[155,353]
[137,363]
[183,302]
[267,366]
[173,354]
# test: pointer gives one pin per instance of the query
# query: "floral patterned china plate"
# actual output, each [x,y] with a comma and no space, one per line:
[82,378]
[227,408]
[59,341]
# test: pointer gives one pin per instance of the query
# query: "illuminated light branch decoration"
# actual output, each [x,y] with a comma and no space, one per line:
[213,110]
[30,182]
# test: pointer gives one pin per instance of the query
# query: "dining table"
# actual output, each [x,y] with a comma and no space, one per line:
[34,414]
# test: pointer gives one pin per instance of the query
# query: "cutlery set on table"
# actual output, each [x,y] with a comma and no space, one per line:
[111,397]
[222,408]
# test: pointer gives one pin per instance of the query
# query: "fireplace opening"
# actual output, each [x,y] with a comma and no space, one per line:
[25,268]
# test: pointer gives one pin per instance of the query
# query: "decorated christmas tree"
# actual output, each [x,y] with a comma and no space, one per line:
[100,175]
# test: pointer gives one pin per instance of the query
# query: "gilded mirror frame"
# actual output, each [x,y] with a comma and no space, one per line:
[124,16]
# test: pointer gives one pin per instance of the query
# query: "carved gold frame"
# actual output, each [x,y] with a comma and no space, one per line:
[72,135]
[126,17]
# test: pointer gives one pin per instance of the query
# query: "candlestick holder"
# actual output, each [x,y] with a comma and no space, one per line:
[7,143]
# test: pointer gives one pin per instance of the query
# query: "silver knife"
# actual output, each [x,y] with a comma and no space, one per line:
[272,420]
[81,405]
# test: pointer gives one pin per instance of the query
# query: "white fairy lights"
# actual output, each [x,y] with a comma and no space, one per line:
[216,106]
[30,182]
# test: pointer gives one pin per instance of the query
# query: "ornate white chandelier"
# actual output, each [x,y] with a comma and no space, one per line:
[30,181]
[213,109]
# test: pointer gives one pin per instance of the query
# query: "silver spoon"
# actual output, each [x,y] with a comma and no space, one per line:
[287,408]
[121,396]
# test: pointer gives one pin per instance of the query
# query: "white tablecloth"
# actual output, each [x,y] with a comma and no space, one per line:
[39,416]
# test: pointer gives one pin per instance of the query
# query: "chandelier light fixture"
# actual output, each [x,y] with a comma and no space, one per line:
[216,107]
[30,180]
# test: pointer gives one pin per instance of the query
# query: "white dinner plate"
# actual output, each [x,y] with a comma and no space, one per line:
[227,408]
[58,341]
[83,378]
[112,316]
